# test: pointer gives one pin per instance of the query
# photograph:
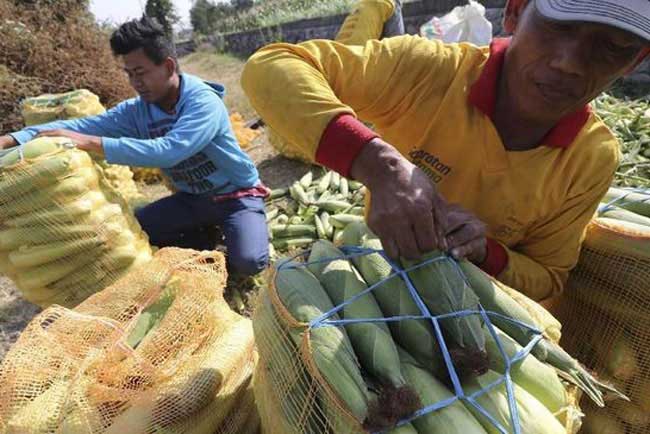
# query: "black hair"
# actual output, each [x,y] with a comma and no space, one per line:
[145,33]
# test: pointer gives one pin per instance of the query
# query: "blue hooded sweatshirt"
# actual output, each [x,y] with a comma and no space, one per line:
[195,145]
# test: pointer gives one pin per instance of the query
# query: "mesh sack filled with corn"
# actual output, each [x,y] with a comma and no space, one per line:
[350,342]
[78,104]
[157,352]
[605,309]
[64,232]
[69,105]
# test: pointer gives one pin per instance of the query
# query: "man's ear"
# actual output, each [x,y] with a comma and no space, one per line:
[513,12]
[171,66]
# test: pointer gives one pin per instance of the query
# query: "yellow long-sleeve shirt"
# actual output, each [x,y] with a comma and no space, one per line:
[434,102]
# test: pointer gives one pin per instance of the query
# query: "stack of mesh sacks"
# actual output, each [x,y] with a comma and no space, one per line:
[77,104]
[606,309]
[352,343]
[159,351]
[64,232]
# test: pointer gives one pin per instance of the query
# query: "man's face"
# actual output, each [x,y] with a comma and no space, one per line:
[151,81]
[555,67]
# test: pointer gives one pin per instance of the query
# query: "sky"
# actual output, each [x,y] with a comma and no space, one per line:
[118,11]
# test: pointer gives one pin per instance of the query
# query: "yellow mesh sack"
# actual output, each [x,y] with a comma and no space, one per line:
[78,104]
[65,233]
[69,105]
[157,352]
[294,396]
[605,311]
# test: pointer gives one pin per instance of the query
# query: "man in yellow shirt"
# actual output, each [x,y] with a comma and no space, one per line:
[490,153]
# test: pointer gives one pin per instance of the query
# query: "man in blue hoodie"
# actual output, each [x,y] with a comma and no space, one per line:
[180,124]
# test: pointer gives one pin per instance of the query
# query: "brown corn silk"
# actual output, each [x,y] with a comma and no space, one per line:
[190,374]
[605,313]
[292,395]
[61,199]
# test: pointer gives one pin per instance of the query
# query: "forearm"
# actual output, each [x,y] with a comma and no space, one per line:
[7,142]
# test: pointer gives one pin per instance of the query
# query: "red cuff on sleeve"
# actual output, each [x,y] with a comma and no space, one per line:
[341,142]
[496,259]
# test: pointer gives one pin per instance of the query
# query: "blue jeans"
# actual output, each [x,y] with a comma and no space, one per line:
[190,221]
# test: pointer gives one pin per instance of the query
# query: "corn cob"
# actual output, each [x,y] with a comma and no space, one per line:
[42,414]
[495,300]
[453,419]
[394,298]
[333,205]
[277,193]
[293,230]
[66,190]
[355,185]
[534,418]
[327,226]
[298,193]
[68,213]
[444,291]
[305,181]
[286,243]
[618,237]
[324,183]
[634,201]
[630,413]
[270,215]
[619,357]
[617,213]
[335,181]
[41,172]
[304,297]
[344,187]
[538,379]
[342,220]
[55,270]
[372,342]
[546,322]
[320,229]
[151,317]
[33,256]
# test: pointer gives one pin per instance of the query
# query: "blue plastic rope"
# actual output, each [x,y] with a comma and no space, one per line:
[398,272]
[603,208]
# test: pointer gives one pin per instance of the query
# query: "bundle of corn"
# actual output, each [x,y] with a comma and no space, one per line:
[157,352]
[314,209]
[605,309]
[78,104]
[64,232]
[70,105]
[630,121]
[354,342]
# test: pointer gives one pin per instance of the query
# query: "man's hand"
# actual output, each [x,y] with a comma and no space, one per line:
[406,211]
[466,235]
[7,142]
[81,141]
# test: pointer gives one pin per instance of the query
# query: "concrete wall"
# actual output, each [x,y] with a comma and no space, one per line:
[415,14]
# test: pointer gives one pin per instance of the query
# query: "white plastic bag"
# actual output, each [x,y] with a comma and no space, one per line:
[462,24]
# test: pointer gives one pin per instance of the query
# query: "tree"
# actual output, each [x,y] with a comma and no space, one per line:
[164,12]
[200,16]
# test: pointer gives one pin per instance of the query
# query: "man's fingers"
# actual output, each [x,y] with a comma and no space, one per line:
[425,233]
[406,242]
[440,219]
[462,236]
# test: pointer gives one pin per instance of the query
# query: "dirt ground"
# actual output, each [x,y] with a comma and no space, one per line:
[275,171]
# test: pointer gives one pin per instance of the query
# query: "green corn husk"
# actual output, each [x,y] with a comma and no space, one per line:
[68,189]
[33,256]
[443,289]
[394,298]
[372,342]
[534,418]
[537,378]
[304,297]
[496,300]
[305,181]
[324,183]
[152,316]
[453,419]
[636,202]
